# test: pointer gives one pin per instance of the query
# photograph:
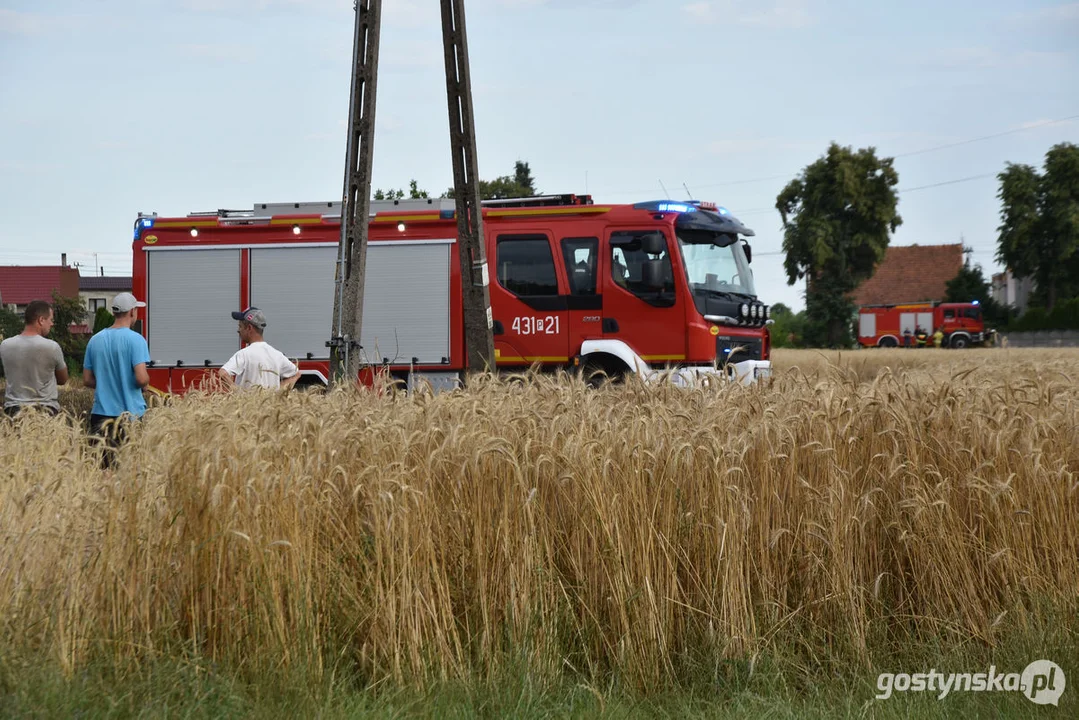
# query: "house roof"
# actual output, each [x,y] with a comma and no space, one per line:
[114,282]
[911,273]
[20,284]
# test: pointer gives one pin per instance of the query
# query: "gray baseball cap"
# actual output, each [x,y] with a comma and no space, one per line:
[125,302]
[251,315]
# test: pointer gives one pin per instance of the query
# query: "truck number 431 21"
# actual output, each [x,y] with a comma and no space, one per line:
[529,325]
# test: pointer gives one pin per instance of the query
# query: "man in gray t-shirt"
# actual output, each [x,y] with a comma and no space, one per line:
[33,364]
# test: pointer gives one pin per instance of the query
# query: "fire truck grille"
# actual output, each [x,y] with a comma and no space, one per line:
[737,349]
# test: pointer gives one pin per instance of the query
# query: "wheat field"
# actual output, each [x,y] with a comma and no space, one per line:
[856,502]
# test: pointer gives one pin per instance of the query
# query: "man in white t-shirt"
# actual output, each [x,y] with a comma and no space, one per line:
[259,364]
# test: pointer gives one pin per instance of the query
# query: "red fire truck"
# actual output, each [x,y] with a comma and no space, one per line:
[884,325]
[620,288]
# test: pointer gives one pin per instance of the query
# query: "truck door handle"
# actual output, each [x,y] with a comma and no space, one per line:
[497,328]
[610,325]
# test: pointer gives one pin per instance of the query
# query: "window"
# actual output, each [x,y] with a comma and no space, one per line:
[525,265]
[629,260]
[95,304]
[972,313]
[580,255]
[949,314]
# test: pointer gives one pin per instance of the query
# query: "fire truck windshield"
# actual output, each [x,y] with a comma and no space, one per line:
[715,262]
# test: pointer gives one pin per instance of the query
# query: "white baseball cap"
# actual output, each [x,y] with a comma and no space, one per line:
[125,302]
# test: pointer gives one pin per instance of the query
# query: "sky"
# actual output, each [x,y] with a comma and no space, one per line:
[110,107]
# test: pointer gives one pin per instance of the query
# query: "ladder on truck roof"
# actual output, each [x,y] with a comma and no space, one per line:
[332,209]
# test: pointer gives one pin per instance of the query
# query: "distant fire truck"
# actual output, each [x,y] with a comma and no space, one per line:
[616,288]
[884,325]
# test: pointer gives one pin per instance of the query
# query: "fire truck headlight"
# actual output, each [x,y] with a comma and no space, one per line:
[767,312]
[744,310]
[400,227]
[295,229]
[756,312]
[194,232]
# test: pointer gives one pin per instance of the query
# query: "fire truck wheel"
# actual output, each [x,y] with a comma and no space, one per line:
[309,383]
[888,342]
[958,343]
[599,372]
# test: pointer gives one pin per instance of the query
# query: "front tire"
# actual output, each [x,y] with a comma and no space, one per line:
[959,342]
[597,374]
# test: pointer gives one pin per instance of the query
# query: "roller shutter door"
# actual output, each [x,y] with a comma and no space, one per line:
[406,299]
[191,294]
[294,287]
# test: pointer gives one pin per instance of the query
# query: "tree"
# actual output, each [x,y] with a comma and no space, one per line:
[102,319]
[381,194]
[68,311]
[1039,230]
[788,327]
[838,216]
[970,285]
[522,176]
[11,324]
[520,184]
[414,193]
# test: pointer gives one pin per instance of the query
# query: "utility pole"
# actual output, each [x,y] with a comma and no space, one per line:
[346,355]
[479,340]
[345,351]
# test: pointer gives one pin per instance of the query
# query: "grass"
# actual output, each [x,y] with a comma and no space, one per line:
[541,549]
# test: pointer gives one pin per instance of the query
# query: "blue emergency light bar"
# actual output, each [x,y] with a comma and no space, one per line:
[143,224]
[686,206]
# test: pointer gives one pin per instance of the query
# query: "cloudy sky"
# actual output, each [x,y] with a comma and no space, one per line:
[108,108]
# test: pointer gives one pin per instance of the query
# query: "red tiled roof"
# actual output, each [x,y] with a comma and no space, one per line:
[19,284]
[911,273]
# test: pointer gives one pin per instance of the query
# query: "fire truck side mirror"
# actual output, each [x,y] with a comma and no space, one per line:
[653,243]
[749,252]
[652,274]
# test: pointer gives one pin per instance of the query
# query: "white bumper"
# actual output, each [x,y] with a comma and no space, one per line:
[746,372]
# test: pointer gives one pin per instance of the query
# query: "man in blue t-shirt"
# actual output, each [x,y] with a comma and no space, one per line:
[115,367]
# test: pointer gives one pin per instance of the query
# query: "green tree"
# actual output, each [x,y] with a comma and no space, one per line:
[522,176]
[11,323]
[67,311]
[970,285]
[102,319]
[520,184]
[414,193]
[1039,230]
[838,216]
[788,327]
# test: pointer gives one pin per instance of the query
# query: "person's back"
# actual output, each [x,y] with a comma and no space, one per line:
[30,363]
[260,365]
[111,355]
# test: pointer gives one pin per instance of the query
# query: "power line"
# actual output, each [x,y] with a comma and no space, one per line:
[1032,126]
[759,211]
[948,182]
[1013,131]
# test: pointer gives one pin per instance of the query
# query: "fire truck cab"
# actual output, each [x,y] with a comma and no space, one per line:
[884,325]
[639,288]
